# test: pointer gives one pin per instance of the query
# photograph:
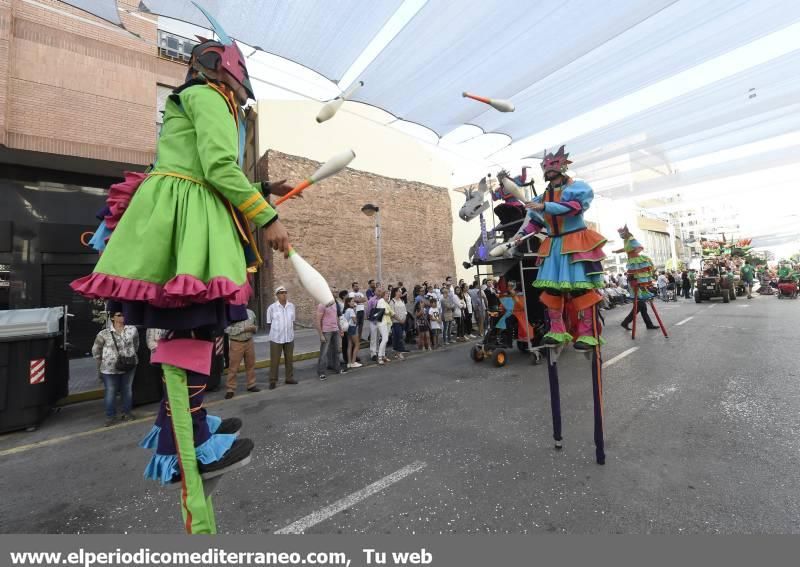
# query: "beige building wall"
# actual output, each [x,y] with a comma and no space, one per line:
[290,127]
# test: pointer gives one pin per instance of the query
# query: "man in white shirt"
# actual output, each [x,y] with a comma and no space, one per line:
[280,323]
[360,300]
[662,285]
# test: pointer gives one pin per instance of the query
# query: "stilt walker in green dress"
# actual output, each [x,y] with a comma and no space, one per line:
[177,260]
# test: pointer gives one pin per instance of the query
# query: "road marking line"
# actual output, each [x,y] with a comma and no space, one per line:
[684,321]
[56,440]
[323,514]
[620,356]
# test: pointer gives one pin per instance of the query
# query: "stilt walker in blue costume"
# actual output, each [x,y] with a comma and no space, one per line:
[570,273]
[177,260]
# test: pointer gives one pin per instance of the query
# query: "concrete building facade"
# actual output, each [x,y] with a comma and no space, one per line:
[78,106]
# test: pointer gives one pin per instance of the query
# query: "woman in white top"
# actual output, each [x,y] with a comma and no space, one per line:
[115,351]
[352,332]
[468,313]
[459,313]
[384,325]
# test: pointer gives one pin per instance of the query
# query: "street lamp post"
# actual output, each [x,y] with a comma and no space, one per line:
[374,211]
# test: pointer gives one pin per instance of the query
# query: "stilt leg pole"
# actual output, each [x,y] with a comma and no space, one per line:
[658,318]
[198,516]
[555,397]
[597,391]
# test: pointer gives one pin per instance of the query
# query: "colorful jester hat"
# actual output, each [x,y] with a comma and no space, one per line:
[228,56]
[632,245]
[557,162]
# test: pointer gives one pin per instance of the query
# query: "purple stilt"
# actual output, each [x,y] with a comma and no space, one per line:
[555,398]
[597,391]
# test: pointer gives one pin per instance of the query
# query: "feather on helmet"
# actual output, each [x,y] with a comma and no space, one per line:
[222,55]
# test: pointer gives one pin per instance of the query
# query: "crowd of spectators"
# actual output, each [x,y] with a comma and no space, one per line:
[428,316]
[669,286]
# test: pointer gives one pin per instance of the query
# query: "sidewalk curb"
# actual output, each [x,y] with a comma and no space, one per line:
[98,394]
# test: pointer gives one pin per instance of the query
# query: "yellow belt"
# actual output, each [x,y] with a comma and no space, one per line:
[180,176]
[243,232]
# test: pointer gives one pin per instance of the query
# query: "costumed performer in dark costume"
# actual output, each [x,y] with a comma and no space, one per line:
[570,274]
[177,260]
[511,211]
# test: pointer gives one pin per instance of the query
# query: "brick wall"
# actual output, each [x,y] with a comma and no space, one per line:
[329,230]
[5,44]
[74,85]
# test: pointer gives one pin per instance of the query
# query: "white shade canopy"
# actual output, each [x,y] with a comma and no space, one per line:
[324,36]
[648,95]
[554,60]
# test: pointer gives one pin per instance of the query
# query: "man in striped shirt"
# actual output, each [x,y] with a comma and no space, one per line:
[280,322]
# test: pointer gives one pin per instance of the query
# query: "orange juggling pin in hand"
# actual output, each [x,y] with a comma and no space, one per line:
[331,167]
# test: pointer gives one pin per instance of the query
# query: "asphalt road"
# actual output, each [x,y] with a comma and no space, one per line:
[701,437]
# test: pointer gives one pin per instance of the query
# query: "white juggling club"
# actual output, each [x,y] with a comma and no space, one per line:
[513,188]
[311,279]
[500,249]
[332,107]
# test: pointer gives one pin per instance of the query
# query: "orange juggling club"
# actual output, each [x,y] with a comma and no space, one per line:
[331,167]
[496,103]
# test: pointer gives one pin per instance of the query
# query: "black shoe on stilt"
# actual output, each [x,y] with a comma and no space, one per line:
[583,346]
[237,456]
[549,341]
[653,327]
[624,326]
[229,425]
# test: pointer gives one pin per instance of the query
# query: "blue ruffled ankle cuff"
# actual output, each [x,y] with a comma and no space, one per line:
[150,440]
[213,422]
[165,468]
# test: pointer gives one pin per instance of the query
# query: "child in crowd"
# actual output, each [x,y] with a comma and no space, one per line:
[423,327]
[435,317]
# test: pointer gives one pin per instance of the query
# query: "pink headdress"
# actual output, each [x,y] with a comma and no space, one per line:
[555,162]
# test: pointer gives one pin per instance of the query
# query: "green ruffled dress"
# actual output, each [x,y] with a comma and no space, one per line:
[182,238]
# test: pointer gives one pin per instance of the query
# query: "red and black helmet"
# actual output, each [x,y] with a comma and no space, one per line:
[219,57]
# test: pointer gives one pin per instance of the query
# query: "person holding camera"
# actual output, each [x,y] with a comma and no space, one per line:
[115,350]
